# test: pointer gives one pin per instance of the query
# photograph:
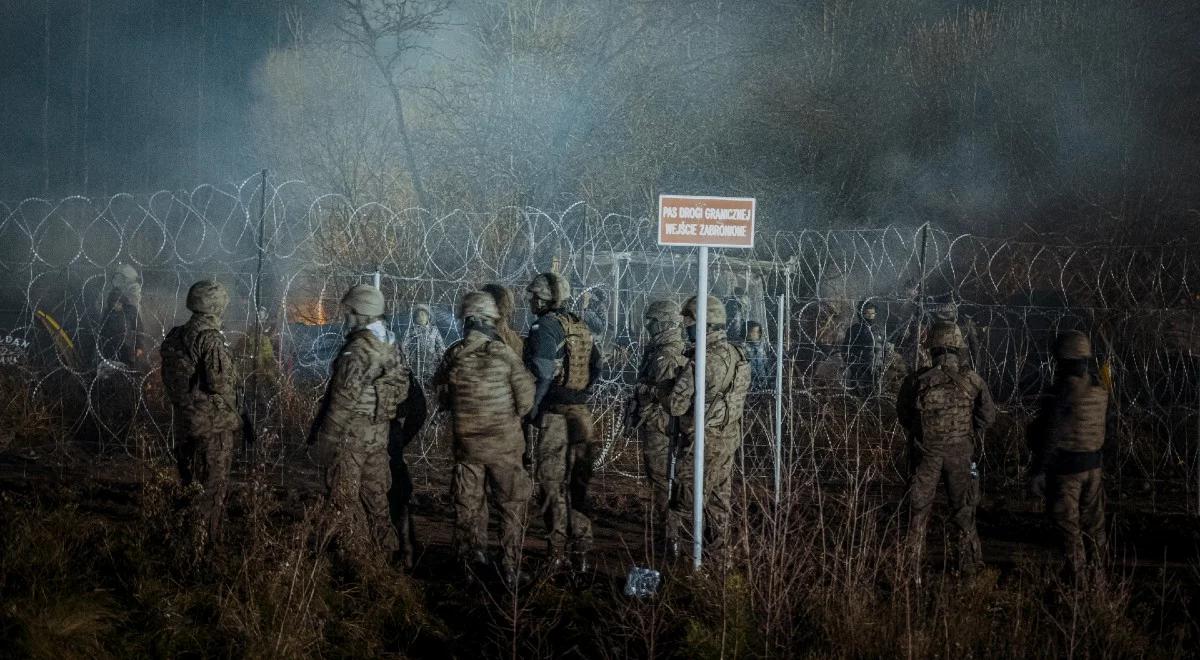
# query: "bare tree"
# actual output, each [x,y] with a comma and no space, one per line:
[386,33]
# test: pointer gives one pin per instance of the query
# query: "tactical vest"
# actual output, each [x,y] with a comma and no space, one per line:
[179,373]
[574,372]
[945,402]
[1080,413]
[386,376]
[725,397]
[481,396]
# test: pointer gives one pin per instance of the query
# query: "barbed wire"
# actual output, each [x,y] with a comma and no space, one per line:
[59,259]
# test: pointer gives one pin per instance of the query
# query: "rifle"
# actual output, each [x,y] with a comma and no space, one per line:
[673,431]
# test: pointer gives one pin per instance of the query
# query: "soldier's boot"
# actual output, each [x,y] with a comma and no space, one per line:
[514,578]
[970,560]
[580,562]
[556,562]
[473,563]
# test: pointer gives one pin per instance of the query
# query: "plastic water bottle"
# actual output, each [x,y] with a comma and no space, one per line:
[642,582]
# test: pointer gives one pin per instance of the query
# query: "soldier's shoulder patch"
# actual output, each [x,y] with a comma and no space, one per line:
[533,327]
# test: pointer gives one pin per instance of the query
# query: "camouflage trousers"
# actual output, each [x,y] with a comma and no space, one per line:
[357,479]
[656,448]
[203,462]
[1076,505]
[565,458]
[506,483]
[719,452]
[953,467]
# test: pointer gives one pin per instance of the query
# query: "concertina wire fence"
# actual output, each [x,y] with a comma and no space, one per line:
[59,259]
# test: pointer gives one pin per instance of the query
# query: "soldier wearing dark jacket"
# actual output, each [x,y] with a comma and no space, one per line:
[662,358]
[369,382]
[565,363]
[727,380]
[487,391]
[199,377]
[943,408]
[1066,438]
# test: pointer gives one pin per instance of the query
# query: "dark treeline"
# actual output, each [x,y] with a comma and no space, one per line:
[979,116]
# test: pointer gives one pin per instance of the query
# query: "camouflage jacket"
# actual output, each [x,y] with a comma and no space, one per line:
[370,380]
[486,389]
[943,406]
[727,380]
[209,402]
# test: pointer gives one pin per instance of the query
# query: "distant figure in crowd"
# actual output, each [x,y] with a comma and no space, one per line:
[658,431]
[727,380]
[1067,437]
[505,306]
[369,382]
[121,363]
[423,344]
[120,322]
[199,378]
[864,352]
[487,391]
[756,352]
[944,407]
[562,356]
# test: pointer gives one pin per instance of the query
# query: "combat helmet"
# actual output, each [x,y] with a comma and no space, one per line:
[1073,345]
[478,305]
[364,300]
[716,311]
[945,335]
[664,312]
[550,289]
[502,296]
[208,297]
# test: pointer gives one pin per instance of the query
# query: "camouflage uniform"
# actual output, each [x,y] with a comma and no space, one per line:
[369,382]
[1067,437]
[662,358]
[487,391]
[943,407]
[199,377]
[565,363]
[727,381]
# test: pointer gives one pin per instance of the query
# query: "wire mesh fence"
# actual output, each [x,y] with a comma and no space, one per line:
[80,332]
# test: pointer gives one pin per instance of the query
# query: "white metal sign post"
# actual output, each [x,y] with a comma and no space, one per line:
[703,222]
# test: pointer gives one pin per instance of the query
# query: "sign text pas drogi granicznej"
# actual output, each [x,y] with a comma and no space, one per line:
[726,222]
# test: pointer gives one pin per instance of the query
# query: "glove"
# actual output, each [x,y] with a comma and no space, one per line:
[1037,485]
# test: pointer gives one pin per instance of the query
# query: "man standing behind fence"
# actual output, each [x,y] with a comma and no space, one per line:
[1066,438]
[646,411]
[564,360]
[487,391]
[199,378]
[943,407]
[727,380]
[369,382]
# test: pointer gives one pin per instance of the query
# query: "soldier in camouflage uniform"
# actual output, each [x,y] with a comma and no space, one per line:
[727,380]
[505,306]
[485,387]
[199,377]
[1066,438]
[943,407]
[662,358]
[369,382]
[565,363]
